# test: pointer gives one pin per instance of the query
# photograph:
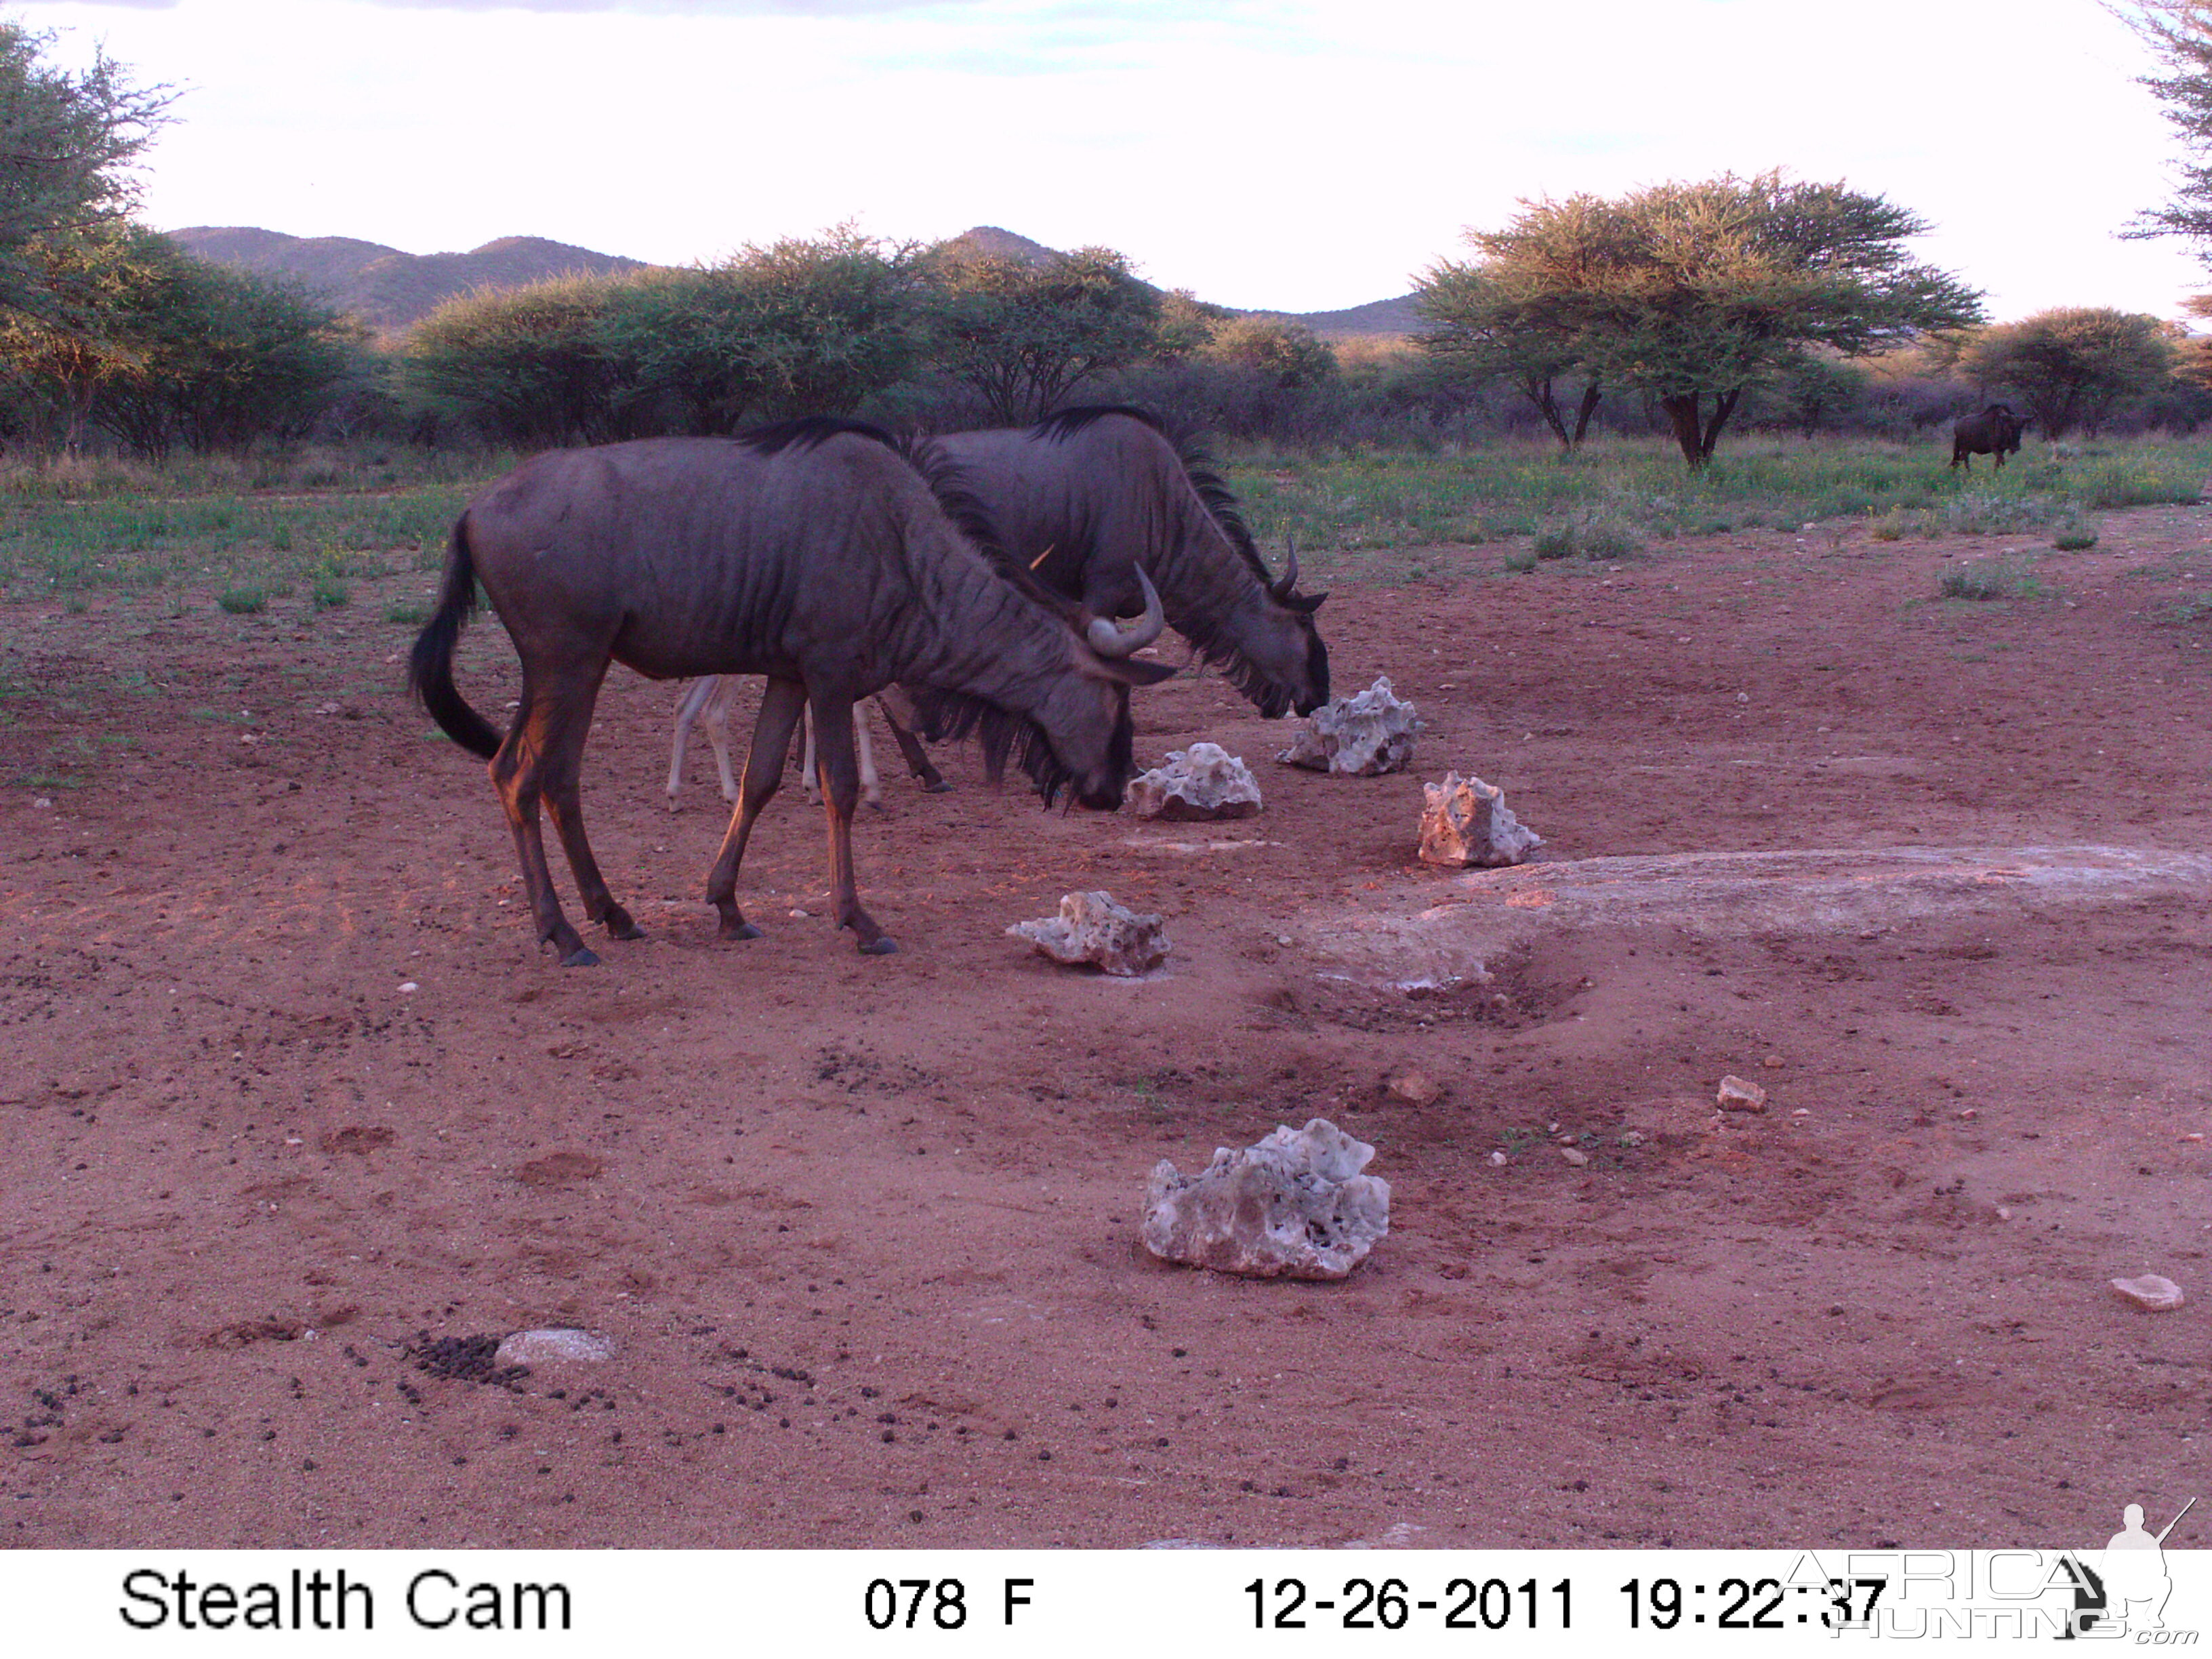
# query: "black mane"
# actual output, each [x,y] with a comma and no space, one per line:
[809,432]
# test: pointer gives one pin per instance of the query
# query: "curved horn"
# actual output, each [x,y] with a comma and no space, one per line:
[1290,581]
[1111,639]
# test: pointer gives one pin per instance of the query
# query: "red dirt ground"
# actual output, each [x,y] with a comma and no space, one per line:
[864,1230]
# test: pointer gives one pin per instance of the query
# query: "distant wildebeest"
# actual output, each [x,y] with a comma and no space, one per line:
[814,553]
[1092,500]
[1996,431]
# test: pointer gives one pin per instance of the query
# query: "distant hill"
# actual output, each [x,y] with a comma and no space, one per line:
[382,286]
[389,290]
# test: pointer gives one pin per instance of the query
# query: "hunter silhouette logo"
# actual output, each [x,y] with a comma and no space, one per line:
[2136,1583]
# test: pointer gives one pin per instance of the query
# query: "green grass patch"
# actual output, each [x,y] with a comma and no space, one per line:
[403,614]
[329,593]
[1992,579]
[243,601]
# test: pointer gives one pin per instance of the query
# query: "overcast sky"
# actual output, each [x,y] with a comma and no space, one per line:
[1294,154]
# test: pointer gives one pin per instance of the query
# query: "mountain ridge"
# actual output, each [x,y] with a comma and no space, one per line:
[389,289]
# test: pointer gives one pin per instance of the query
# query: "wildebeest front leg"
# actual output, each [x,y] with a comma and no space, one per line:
[841,792]
[917,759]
[779,711]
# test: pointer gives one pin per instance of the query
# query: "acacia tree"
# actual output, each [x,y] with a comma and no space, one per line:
[1501,317]
[1025,334]
[66,144]
[2071,366]
[2180,33]
[1692,294]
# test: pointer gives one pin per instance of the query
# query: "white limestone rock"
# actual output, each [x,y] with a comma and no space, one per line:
[1466,823]
[1091,927]
[1202,782]
[1370,733]
[1294,1205]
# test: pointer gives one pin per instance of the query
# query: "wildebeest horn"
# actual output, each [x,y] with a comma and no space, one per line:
[1282,589]
[1109,638]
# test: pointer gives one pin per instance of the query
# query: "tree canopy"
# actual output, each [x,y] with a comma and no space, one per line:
[1025,334]
[2180,33]
[1690,294]
[66,144]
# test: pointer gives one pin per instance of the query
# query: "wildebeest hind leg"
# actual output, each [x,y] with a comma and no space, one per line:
[779,711]
[520,774]
[841,792]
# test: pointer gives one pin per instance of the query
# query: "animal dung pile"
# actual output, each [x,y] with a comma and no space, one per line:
[1293,1205]
[2152,1292]
[1201,782]
[1370,733]
[1466,823]
[1091,927]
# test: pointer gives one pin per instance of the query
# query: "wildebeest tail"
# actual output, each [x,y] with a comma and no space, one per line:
[430,665]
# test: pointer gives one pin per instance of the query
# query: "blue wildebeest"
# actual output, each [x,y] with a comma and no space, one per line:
[1094,501]
[1996,431]
[814,553]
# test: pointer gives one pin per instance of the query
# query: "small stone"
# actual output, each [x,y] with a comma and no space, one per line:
[1575,1155]
[1466,822]
[801,916]
[1292,1205]
[2004,1214]
[1499,1160]
[408,987]
[1738,1096]
[2151,1293]
[1415,1088]
[554,1346]
[1365,735]
[1968,1113]
[1773,1062]
[44,804]
[2199,1139]
[1091,927]
[1194,785]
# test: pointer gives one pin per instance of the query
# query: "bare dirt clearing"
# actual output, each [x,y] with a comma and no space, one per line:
[864,1230]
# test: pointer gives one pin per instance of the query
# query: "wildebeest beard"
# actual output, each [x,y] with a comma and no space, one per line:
[947,718]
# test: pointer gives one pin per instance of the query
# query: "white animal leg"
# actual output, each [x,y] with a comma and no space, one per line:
[701,693]
[872,790]
[718,732]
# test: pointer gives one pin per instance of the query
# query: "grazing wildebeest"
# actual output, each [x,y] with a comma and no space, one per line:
[1092,497]
[814,553]
[1996,431]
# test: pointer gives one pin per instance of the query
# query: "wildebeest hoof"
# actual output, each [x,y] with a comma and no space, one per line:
[581,956]
[879,947]
[942,787]
[878,806]
[743,930]
[623,929]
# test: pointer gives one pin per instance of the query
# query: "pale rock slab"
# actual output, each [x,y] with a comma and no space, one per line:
[1466,823]
[1293,1205]
[1091,927]
[554,1346]
[1370,733]
[2151,1293]
[1739,1095]
[1195,785]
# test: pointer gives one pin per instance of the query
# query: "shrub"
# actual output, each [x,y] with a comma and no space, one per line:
[2076,532]
[243,601]
[329,593]
[1592,533]
[1522,561]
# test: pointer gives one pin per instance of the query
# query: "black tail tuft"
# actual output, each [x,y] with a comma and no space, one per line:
[430,665]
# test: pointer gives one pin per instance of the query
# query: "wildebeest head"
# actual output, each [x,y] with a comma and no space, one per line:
[1080,738]
[1283,648]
